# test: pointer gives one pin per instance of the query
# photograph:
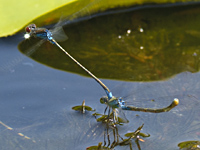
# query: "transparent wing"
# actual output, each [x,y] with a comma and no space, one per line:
[119,115]
[59,34]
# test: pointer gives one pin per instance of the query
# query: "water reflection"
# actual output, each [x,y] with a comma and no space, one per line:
[117,139]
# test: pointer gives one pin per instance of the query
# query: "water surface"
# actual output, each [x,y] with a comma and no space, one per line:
[36,99]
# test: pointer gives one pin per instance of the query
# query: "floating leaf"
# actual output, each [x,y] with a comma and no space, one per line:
[82,107]
[189,145]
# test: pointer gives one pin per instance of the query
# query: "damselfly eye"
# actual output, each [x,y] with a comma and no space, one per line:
[32,26]
[28,29]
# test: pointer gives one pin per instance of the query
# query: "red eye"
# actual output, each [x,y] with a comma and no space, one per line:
[28,29]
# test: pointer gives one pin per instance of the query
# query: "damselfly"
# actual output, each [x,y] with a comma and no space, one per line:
[112,102]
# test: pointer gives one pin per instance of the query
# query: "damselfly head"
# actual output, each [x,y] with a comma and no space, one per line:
[104,100]
[28,30]
[30,27]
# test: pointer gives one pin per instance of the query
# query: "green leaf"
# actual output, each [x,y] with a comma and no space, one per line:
[82,107]
[189,145]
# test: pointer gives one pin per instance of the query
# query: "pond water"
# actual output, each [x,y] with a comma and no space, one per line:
[36,100]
